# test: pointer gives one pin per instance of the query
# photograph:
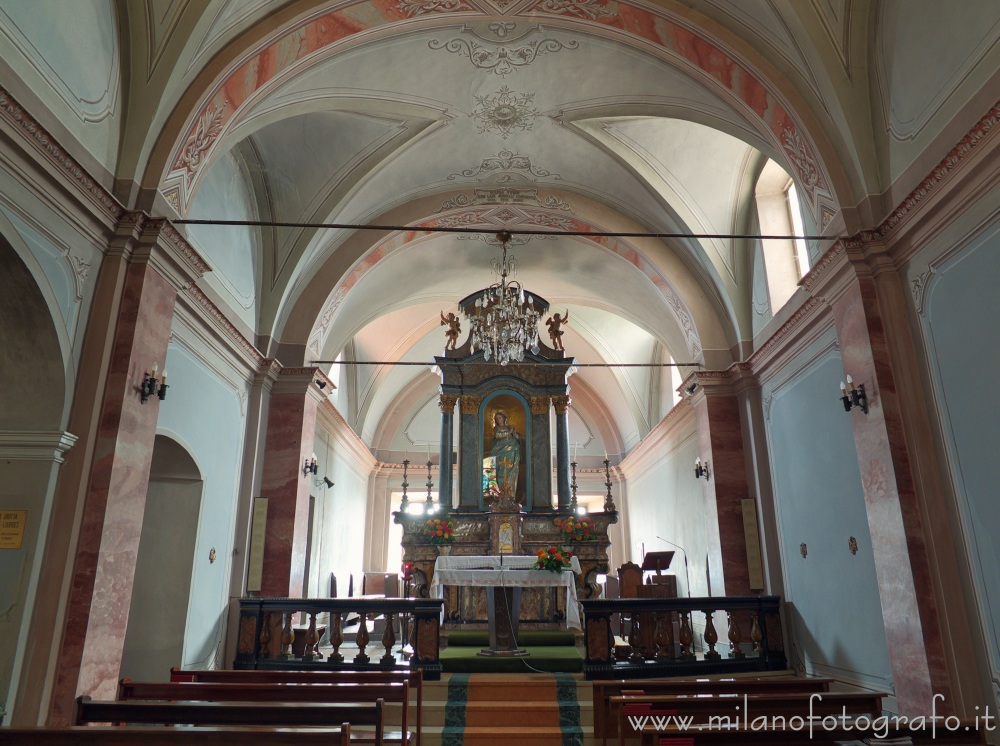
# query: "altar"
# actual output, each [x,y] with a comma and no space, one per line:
[510,490]
[515,571]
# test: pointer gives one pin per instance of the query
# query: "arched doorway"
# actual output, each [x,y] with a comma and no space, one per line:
[32,444]
[157,619]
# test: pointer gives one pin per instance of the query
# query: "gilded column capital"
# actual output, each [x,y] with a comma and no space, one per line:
[447,403]
[471,404]
[539,404]
[561,403]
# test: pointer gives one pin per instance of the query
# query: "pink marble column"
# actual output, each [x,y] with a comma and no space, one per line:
[291,426]
[151,261]
[860,297]
[720,444]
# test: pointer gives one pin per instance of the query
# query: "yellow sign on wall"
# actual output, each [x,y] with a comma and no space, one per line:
[12,523]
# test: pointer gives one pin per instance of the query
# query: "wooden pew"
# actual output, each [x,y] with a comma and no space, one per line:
[414,677]
[721,711]
[344,692]
[96,735]
[606,722]
[283,714]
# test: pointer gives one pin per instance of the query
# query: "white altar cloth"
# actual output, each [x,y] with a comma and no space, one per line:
[485,570]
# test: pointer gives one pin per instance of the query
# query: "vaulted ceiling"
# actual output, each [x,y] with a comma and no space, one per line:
[567,116]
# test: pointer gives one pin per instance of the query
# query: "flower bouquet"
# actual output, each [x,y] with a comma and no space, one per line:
[553,559]
[576,529]
[439,531]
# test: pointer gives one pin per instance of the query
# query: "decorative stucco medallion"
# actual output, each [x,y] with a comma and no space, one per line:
[505,112]
[505,161]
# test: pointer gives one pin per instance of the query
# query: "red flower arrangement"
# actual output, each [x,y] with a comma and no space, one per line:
[554,559]
[576,529]
[439,531]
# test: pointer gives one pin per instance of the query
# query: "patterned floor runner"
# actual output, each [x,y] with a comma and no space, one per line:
[512,708]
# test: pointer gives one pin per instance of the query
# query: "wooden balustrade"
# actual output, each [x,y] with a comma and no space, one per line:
[267,636]
[653,650]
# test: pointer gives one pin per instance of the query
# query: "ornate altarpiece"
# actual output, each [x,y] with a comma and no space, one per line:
[490,519]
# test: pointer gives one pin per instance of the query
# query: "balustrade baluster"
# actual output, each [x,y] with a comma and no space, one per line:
[388,640]
[287,637]
[711,636]
[336,637]
[686,637]
[634,639]
[362,638]
[755,633]
[311,652]
[735,636]
[265,635]
[664,637]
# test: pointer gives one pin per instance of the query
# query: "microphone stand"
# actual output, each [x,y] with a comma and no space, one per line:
[687,574]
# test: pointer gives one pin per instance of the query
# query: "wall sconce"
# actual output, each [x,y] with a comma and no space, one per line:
[701,470]
[853,396]
[310,466]
[151,385]
[324,481]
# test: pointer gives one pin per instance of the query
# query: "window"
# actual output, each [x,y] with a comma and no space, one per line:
[779,214]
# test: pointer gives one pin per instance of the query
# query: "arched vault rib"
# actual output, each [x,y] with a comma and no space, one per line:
[499,217]
[174,167]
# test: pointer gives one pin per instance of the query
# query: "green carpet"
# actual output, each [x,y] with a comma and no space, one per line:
[527,638]
[544,658]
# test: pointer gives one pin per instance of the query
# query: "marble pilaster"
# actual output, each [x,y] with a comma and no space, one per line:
[720,445]
[863,299]
[541,455]
[469,467]
[561,404]
[148,263]
[291,427]
[447,404]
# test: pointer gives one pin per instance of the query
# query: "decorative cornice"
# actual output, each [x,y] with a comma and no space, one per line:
[224,324]
[35,445]
[784,331]
[978,135]
[12,112]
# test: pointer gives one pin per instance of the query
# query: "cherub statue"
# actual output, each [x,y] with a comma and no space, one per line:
[454,329]
[555,333]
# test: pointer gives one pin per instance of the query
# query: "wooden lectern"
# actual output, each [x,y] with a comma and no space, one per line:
[656,561]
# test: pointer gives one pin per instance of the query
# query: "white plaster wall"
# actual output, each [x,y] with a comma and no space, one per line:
[961,327]
[833,610]
[665,500]
[231,251]
[68,55]
[930,58]
[203,412]
[340,519]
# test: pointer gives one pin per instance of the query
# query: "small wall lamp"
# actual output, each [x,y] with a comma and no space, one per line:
[152,385]
[310,466]
[325,480]
[701,470]
[853,396]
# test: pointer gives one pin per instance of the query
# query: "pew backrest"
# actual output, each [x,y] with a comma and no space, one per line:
[284,714]
[96,735]
[605,722]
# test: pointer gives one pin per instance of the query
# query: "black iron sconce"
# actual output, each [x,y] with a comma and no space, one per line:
[310,467]
[701,470]
[152,385]
[853,396]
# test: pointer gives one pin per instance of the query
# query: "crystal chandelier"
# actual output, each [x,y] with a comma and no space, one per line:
[504,320]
